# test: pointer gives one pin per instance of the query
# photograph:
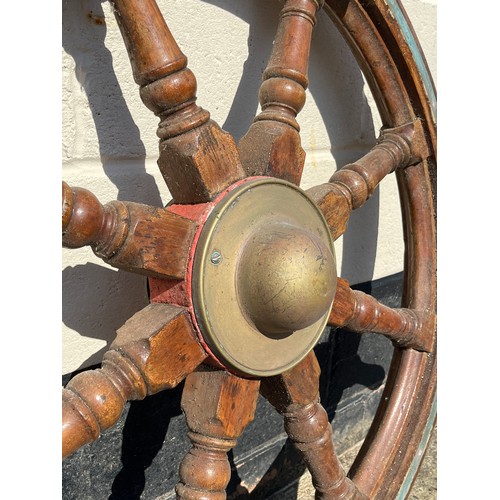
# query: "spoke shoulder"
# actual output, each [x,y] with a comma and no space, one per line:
[218,406]
[272,144]
[197,158]
[352,185]
[130,236]
[154,350]
[295,394]
[360,312]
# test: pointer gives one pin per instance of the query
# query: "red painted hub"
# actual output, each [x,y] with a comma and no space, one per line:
[180,292]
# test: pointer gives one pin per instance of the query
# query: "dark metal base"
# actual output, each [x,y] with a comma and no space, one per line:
[139,457]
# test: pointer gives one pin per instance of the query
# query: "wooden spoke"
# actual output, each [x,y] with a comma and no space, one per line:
[360,312]
[218,406]
[272,144]
[197,158]
[154,350]
[194,248]
[130,236]
[295,394]
[351,186]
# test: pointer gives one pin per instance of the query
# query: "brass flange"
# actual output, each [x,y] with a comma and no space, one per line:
[264,277]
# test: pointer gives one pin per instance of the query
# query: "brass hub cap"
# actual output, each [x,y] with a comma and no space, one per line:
[264,277]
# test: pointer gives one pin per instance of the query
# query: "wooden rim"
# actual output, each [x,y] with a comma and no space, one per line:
[384,464]
[156,352]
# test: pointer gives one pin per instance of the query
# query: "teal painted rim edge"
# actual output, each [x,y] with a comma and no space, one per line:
[423,70]
[415,464]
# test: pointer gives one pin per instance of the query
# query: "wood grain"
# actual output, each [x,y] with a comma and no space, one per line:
[352,185]
[272,144]
[130,236]
[360,312]
[295,394]
[218,406]
[196,157]
[154,350]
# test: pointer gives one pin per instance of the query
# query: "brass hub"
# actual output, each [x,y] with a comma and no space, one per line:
[264,277]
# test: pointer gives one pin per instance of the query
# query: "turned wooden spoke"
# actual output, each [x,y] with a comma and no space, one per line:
[218,406]
[154,350]
[197,158]
[272,144]
[295,394]
[359,312]
[351,186]
[127,235]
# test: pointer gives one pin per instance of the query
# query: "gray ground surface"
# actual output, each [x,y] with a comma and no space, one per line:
[424,488]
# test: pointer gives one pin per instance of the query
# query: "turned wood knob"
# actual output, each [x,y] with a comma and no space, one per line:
[82,217]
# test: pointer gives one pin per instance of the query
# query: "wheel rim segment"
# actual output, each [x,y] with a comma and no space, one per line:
[386,49]
[386,463]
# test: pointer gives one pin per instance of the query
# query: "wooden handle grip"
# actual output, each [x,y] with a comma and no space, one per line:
[83,217]
[94,400]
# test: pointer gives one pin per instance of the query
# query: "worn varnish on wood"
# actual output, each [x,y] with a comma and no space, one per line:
[163,345]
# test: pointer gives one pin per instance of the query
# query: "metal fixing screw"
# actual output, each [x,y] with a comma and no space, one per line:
[216,257]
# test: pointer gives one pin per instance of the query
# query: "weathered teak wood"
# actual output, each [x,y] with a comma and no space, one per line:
[272,144]
[192,146]
[159,347]
[218,406]
[360,312]
[295,394]
[127,235]
[351,186]
[154,350]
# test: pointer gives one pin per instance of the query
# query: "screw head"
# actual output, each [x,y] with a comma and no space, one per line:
[215,258]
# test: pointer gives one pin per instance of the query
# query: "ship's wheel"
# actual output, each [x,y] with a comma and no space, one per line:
[241,264]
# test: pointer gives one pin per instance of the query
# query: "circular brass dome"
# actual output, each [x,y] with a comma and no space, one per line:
[285,279]
[264,277]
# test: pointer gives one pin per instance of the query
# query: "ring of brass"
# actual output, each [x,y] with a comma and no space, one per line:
[232,236]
